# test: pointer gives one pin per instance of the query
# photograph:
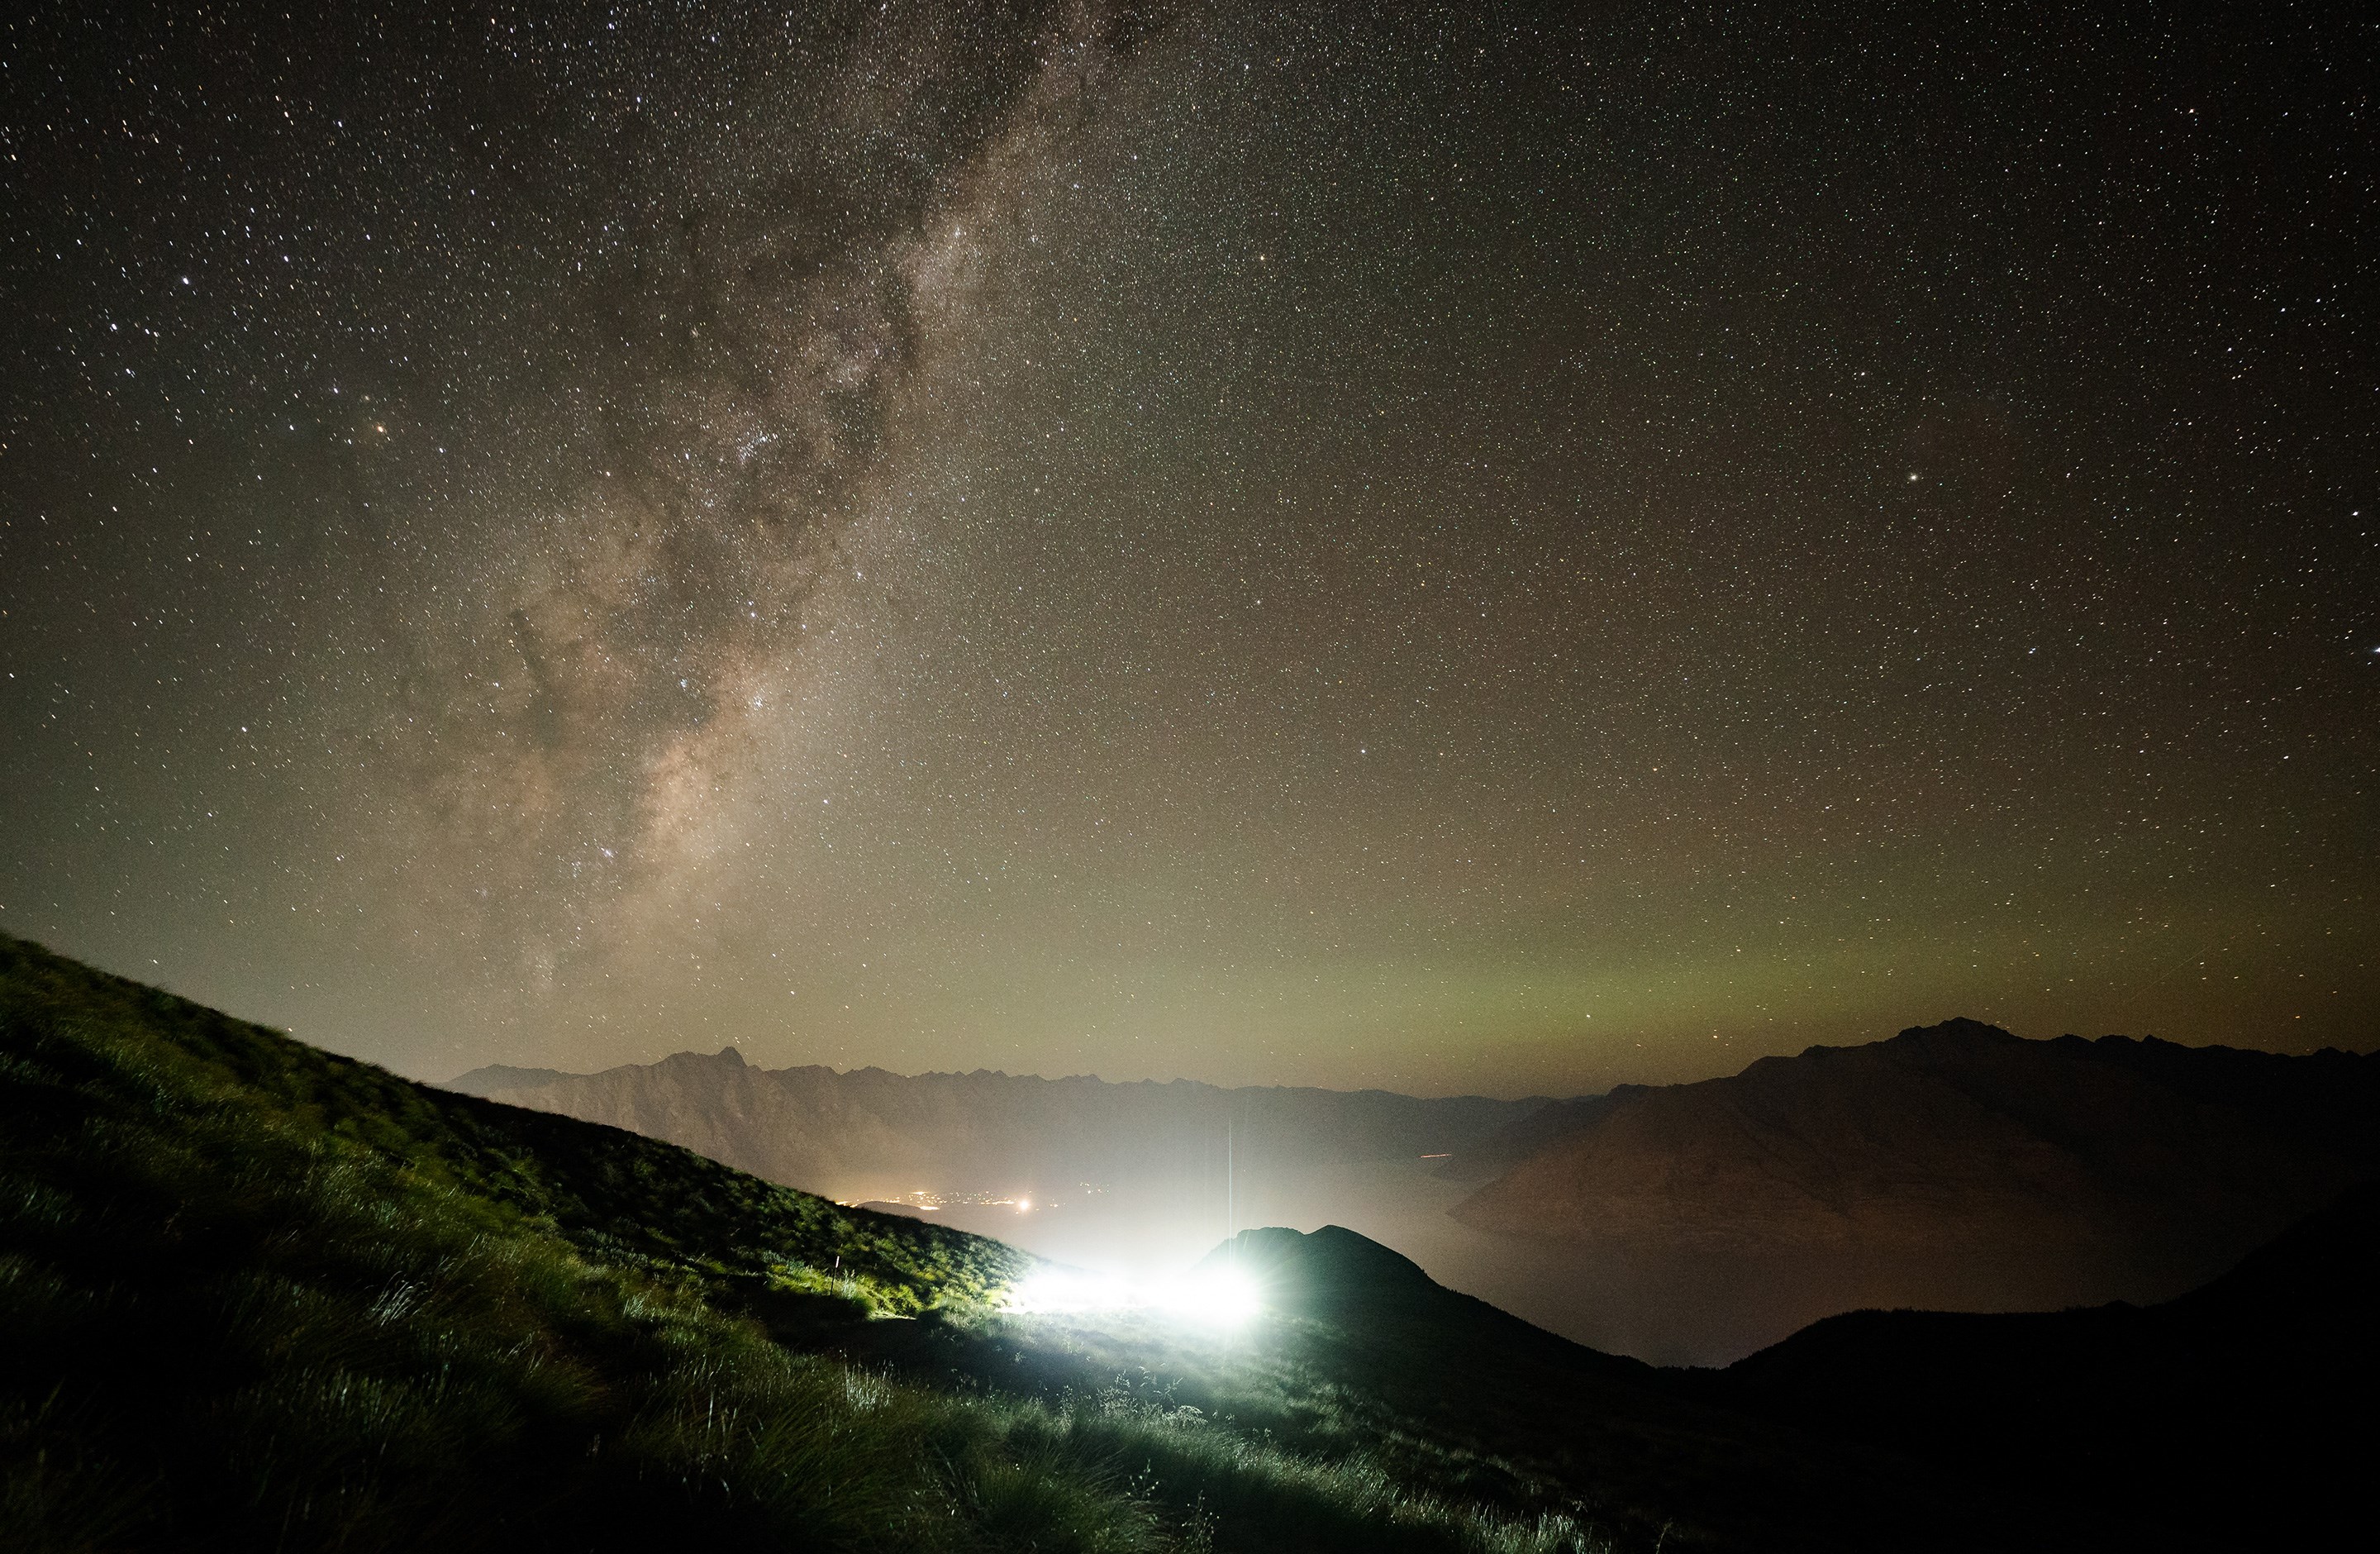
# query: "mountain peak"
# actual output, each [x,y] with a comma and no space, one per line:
[1957,1031]
[1332,1267]
[1959,1028]
[502,1076]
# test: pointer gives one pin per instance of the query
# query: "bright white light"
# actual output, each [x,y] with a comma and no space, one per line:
[1069,1289]
[1220,1297]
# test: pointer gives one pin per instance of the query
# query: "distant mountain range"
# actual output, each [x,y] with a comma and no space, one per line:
[868,1133]
[1955,1166]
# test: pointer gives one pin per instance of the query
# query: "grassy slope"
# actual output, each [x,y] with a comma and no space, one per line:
[256,1296]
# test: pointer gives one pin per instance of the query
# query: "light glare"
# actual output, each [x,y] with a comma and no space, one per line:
[1215,1297]
[1222,1298]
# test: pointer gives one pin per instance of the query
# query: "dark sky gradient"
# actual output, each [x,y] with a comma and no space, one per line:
[1480,549]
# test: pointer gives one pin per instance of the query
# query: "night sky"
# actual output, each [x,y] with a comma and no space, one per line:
[1465,550]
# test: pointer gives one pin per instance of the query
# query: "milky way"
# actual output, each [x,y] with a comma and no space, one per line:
[1450,549]
[616,671]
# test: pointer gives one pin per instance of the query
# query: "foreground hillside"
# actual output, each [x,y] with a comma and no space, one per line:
[258,1296]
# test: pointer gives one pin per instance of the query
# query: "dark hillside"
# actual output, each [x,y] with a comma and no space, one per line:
[2236,1417]
[1516,1395]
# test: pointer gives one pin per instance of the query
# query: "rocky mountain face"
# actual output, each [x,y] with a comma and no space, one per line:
[1955,1165]
[871,1133]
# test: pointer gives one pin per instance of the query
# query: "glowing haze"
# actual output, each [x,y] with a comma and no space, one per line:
[1455,551]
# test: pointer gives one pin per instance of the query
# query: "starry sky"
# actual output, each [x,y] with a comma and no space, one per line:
[1486,548]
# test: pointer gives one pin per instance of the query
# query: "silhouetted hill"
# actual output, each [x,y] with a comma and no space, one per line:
[1332,1269]
[2238,1415]
[870,1132]
[1954,1165]
[1521,1400]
